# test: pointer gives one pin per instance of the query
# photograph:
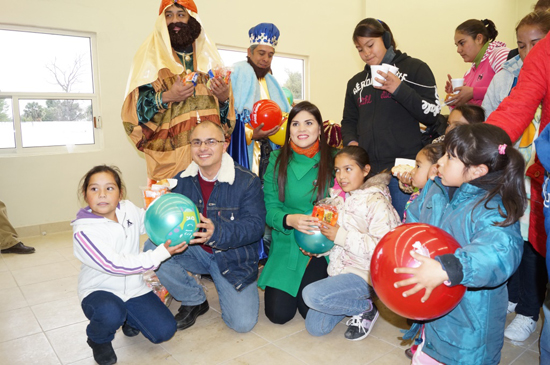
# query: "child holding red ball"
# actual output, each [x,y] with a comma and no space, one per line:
[478,198]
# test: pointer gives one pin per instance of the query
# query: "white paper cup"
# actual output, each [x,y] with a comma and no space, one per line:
[391,68]
[457,83]
[374,71]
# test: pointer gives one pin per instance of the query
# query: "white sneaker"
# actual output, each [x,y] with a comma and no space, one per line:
[520,328]
[511,307]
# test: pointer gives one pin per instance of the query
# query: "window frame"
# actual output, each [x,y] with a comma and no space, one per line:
[19,150]
[304,58]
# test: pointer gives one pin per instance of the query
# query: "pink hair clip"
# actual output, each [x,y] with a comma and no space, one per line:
[502,149]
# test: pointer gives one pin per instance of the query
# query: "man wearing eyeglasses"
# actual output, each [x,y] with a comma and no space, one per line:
[167,91]
[231,202]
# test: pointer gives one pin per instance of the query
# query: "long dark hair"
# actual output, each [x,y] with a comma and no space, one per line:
[473,27]
[480,143]
[358,155]
[373,28]
[324,174]
[113,170]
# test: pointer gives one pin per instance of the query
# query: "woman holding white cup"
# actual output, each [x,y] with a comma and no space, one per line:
[475,43]
[386,102]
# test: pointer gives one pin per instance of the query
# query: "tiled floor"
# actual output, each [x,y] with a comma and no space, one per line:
[41,323]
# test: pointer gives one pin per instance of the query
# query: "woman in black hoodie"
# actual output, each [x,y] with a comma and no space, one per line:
[385,120]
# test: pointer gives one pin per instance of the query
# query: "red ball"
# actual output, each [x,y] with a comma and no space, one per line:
[267,112]
[393,251]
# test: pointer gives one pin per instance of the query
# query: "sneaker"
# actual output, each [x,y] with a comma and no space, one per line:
[187,314]
[511,307]
[360,326]
[103,353]
[520,329]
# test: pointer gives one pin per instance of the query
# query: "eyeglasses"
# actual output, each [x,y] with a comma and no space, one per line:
[196,143]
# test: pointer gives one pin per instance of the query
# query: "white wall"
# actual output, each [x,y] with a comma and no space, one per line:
[42,189]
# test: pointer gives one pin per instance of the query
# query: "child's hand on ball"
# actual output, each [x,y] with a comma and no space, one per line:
[175,249]
[428,275]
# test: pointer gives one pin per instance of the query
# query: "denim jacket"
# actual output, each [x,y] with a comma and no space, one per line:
[236,208]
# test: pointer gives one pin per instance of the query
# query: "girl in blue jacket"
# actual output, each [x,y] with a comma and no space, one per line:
[478,198]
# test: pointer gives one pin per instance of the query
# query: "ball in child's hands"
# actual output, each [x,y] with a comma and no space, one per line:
[393,251]
[171,217]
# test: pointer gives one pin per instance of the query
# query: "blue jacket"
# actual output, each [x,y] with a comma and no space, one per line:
[473,332]
[236,208]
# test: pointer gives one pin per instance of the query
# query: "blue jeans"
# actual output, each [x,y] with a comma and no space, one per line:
[545,336]
[239,308]
[107,313]
[398,198]
[331,299]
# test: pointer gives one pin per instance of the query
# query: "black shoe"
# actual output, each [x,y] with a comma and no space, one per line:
[19,248]
[187,314]
[409,353]
[129,330]
[103,352]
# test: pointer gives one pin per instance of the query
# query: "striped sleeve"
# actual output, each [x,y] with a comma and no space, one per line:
[498,57]
[92,250]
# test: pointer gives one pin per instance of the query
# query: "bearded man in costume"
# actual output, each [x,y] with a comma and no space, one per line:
[252,80]
[162,103]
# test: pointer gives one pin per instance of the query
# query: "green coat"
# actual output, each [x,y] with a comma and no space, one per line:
[286,264]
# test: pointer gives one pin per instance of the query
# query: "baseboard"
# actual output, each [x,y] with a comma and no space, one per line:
[43,229]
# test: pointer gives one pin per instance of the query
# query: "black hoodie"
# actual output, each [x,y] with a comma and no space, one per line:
[387,125]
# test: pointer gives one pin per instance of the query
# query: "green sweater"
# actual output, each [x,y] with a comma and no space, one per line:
[286,265]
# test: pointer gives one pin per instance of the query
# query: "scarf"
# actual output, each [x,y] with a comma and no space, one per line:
[309,151]
[480,54]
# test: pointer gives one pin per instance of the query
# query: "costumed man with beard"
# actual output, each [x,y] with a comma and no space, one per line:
[252,80]
[162,102]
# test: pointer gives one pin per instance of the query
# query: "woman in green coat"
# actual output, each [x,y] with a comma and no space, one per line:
[298,174]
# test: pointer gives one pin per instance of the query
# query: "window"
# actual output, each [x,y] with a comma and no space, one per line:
[288,70]
[48,93]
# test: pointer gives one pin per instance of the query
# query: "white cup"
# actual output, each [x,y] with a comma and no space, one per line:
[374,73]
[391,68]
[457,83]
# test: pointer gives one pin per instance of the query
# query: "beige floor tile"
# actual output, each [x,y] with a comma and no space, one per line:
[389,325]
[145,353]
[38,274]
[7,280]
[67,252]
[50,290]
[333,348]
[527,358]
[12,298]
[267,355]
[28,350]
[510,352]
[59,313]
[18,323]
[69,342]
[195,345]
[272,332]
[395,357]
[40,257]
[3,266]
[52,240]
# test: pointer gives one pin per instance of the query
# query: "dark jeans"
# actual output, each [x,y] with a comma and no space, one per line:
[107,313]
[280,307]
[527,286]
[398,198]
